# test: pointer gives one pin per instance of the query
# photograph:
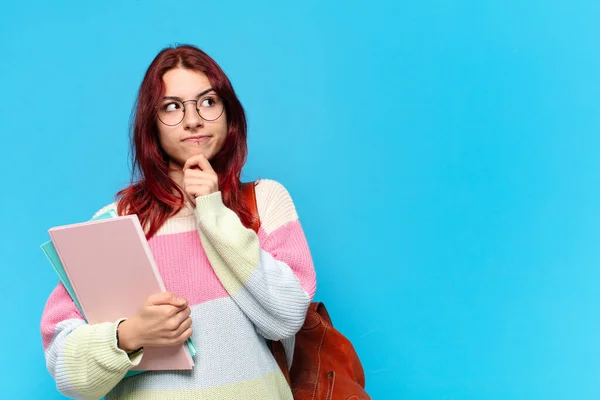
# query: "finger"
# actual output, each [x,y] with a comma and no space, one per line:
[193,161]
[172,340]
[198,173]
[199,188]
[195,183]
[164,298]
[204,164]
[175,331]
[200,181]
[185,335]
[184,326]
[168,312]
[183,315]
[201,161]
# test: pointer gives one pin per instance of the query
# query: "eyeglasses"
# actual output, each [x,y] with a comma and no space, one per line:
[209,108]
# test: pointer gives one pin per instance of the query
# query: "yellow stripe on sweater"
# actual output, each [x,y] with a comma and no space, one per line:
[232,249]
[93,363]
[268,387]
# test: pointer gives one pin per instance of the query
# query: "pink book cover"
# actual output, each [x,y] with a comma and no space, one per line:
[112,271]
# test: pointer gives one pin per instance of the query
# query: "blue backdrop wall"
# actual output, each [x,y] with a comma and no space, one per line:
[442,157]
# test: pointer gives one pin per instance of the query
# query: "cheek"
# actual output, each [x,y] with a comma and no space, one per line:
[165,138]
[219,129]
[224,128]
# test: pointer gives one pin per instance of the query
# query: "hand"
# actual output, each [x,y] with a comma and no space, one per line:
[163,320]
[199,178]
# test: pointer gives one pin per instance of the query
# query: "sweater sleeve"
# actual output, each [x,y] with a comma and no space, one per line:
[270,275]
[83,359]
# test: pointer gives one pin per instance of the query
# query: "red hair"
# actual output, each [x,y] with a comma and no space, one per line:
[152,194]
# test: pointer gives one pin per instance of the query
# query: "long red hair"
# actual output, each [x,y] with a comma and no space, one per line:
[152,194]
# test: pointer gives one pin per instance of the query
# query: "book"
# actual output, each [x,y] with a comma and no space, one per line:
[107,267]
[50,252]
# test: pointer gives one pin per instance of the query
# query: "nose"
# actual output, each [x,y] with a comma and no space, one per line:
[191,119]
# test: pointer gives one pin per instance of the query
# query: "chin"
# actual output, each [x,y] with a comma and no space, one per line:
[207,154]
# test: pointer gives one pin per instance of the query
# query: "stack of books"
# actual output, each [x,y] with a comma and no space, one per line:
[107,268]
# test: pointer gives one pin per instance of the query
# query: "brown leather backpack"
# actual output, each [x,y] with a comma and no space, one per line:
[325,364]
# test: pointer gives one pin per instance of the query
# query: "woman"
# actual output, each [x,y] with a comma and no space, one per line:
[229,288]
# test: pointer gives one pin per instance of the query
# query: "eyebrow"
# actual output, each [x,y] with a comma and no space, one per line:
[197,96]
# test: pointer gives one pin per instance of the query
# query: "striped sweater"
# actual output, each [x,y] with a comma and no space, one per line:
[242,287]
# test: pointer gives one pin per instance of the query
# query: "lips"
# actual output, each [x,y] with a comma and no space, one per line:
[197,139]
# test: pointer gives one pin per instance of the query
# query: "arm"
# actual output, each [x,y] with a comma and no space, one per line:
[83,359]
[270,275]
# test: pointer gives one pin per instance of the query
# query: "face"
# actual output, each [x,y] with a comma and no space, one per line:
[194,134]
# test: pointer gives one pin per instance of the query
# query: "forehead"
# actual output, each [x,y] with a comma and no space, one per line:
[185,83]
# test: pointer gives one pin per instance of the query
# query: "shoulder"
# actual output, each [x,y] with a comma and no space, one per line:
[275,205]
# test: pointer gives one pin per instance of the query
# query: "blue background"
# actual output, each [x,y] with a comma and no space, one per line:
[443,157]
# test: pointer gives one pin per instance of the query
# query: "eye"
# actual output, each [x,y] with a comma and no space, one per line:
[208,102]
[169,107]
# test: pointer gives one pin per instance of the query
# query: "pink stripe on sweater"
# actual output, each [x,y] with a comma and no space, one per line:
[184,267]
[186,271]
[288,244]
[59,307]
